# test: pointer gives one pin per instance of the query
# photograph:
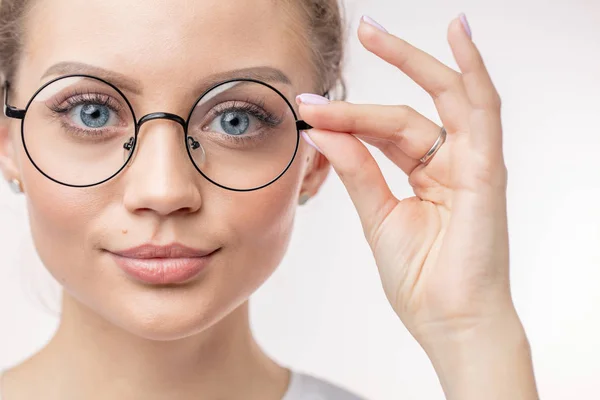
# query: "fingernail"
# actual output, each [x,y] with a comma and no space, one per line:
[312,99]
[465,24]
[374,23]
[308,140]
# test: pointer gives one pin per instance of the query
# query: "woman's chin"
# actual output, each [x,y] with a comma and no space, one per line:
[164,324]
[159,317]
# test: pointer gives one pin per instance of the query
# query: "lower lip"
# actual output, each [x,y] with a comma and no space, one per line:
[162,271]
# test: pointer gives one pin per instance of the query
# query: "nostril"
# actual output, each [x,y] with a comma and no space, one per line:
[154,210]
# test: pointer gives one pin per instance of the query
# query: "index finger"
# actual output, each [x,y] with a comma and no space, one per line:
[443,84]
[429,73]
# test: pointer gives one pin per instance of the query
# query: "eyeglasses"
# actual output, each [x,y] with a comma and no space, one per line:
[81,131]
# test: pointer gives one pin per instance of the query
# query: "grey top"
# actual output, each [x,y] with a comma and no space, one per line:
[307,387]
[302,387]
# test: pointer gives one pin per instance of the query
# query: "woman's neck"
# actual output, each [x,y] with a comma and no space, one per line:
[91,358]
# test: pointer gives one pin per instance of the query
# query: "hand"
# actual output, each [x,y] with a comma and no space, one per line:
[443,254]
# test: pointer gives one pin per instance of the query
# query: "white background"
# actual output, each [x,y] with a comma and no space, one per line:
[324,310]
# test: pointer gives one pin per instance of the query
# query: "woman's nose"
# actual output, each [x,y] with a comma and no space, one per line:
[160,177]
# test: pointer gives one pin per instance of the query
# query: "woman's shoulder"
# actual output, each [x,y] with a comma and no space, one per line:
[307,387]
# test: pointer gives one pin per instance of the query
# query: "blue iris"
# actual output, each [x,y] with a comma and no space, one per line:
[94,115]
[235,123]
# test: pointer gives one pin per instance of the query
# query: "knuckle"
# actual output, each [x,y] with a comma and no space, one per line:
[356,113]
[497,100]
[418,179]
[452,84]
[405,111]
[491,103]
[491,172]
[414,180]
[456,81]
[355,173]
[346,116]
[404,114]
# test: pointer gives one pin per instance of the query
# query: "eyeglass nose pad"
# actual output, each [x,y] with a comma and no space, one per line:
[195,147]
[197,150]
[128,147]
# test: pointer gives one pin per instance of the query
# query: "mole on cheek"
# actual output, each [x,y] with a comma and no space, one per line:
[124,231]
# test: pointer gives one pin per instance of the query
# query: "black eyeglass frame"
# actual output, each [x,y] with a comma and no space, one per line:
[16,113]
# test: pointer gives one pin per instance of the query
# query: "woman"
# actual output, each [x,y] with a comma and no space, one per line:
[158,242]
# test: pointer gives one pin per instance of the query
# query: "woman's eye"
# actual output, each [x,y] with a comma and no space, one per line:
[93,116]
[234,123]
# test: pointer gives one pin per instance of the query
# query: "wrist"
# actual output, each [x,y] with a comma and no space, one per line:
[458,332]
[478,340]
[490,360]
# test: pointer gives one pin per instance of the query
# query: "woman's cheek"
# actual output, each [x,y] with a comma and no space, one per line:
[263,215]
[259,226]
[59,219]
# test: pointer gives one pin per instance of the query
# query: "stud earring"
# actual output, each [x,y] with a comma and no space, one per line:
[304,197]
[15,186]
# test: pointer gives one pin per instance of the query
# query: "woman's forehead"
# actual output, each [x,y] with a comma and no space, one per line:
[174,38]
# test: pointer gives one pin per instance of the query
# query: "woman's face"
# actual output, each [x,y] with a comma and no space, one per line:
[169,49]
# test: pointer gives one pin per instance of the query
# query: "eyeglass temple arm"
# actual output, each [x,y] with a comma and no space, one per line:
[10,111]
[303,126]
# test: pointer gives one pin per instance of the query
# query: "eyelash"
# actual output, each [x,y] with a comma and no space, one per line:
[78,98]
[252,107]
[256,110]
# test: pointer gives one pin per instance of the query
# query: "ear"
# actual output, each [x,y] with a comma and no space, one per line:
[8,157]
[317,169]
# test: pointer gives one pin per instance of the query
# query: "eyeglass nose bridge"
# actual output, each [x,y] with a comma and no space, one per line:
[162,115]
[193,144]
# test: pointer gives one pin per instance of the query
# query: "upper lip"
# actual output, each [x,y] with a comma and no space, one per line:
[174,250]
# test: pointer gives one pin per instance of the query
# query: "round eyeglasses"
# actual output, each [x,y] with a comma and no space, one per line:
[81,131]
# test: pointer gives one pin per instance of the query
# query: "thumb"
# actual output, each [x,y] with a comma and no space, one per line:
[359,173]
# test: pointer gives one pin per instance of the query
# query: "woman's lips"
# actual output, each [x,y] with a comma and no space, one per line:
[161,265]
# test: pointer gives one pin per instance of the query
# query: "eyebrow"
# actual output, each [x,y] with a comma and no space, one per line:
[126,83]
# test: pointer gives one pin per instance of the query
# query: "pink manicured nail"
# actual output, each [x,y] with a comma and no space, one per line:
[374,23]
[465,24]
[312,99]
[308,140]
